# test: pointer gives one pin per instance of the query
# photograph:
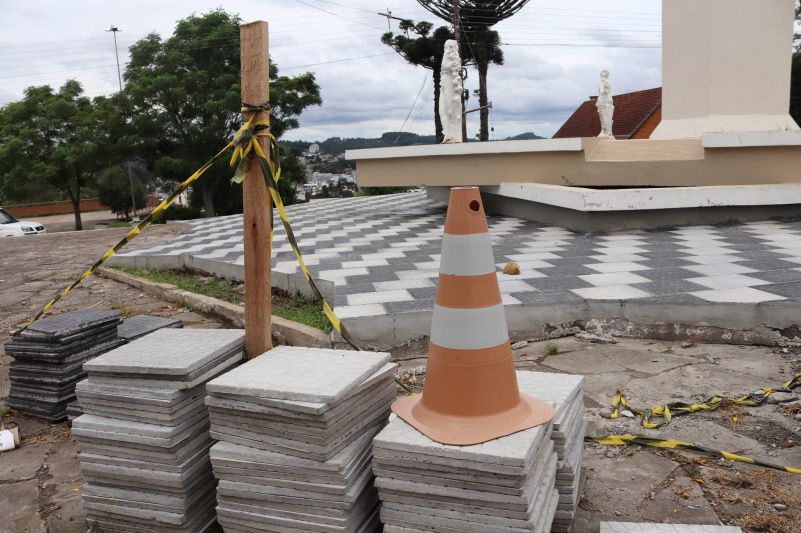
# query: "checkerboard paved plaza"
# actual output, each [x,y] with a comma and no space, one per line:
[382,253]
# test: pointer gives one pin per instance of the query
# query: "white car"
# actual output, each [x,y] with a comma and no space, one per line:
[11,227]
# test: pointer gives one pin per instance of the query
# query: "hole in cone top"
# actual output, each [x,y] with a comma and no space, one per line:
[465,212]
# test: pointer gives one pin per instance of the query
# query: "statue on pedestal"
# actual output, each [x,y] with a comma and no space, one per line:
[606,106]
[450,93]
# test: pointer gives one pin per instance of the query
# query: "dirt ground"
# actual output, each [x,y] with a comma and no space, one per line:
[40,482]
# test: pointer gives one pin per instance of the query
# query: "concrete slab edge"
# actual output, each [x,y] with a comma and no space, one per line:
[288,332]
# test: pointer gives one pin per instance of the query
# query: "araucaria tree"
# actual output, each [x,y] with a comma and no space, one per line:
[426,50]
[185,97]
[477,39]
[55,139]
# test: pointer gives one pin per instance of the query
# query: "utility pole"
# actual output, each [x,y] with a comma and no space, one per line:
[114,30]
[456,11]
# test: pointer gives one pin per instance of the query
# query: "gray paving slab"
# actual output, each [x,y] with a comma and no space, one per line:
[238,435]
[168,352]
[301,374]
[221,367]
[341,465]
[513,450]
[157,396]
[173,455]
[143,496]
[631,527]
[269,426]
[65,324]
[200,454]
[451,495]
[267,492]
[140,325]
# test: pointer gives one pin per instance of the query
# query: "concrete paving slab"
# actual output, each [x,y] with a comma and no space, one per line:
[168,352]
[59,326]
[221,367]
[301,374]
[22,463]
[140,325]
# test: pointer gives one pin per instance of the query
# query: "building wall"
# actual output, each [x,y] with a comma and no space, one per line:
[725,66]
[650,124]
[62,208]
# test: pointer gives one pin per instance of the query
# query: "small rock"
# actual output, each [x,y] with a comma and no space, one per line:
[687,344]
[595,338]
[780,507]
[798,416]
[782,397]
[627,413]
[518,345]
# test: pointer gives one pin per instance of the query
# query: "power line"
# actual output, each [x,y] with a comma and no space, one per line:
[416,98]
[338,15]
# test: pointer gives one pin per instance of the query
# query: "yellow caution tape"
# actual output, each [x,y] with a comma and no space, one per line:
[659,416]
[623,440]
[245,143]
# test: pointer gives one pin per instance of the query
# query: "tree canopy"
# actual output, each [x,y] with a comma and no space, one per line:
[425,50]
[56,139]
[184,93]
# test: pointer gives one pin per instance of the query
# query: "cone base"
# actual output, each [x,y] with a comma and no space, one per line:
[466,431]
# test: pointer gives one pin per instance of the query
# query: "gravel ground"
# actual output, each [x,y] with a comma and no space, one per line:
[40,483]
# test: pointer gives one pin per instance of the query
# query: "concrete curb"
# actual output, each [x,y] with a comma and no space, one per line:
[288,332]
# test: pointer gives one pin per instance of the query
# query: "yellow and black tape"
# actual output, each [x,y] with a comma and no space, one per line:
[158,210]
[245,144]
[624,440]
[659,416]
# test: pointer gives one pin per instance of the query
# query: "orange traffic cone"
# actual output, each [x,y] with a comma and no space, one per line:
[470,393]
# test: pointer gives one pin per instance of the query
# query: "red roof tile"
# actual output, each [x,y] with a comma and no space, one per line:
[631,111]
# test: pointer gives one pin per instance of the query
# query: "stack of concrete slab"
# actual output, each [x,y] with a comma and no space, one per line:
[140,325]
[144,439]
[49,358]
[130,329]
[565,392]
[295,428]
[516,483]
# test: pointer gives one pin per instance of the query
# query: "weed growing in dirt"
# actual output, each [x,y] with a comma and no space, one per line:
[551,348]
[3,408]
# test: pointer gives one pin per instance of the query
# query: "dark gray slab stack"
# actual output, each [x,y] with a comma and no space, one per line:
[295,428]
[144,439]
[138,326]
[49,356]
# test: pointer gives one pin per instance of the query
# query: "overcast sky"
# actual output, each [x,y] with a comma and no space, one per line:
[554,52]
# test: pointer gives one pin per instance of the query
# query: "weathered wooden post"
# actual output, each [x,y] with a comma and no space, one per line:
[256,215]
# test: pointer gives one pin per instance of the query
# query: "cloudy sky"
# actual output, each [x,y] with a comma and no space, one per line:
[554,51]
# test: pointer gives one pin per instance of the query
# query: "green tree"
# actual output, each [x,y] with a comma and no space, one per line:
[114,191]
[485,45]
[55,139]
[185,98]
[425,50]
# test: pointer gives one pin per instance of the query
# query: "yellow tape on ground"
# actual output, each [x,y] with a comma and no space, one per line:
[624,440]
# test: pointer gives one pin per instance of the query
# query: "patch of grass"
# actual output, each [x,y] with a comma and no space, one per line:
[220,288]
[3,408]
[120,224]
[295,307]
[551,348]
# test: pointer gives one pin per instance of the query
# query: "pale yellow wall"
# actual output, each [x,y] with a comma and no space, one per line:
[725,66]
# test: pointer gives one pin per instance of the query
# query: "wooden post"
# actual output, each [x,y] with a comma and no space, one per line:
[257,205]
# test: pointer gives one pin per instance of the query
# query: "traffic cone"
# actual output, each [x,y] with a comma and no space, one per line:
[470,393]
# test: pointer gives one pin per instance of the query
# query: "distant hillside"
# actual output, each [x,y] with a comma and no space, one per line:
[338,145]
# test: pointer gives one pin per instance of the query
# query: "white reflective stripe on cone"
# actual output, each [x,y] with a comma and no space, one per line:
[469,329]
[467,255]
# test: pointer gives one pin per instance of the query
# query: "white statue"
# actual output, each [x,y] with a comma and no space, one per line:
[450,93]
[606,106]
